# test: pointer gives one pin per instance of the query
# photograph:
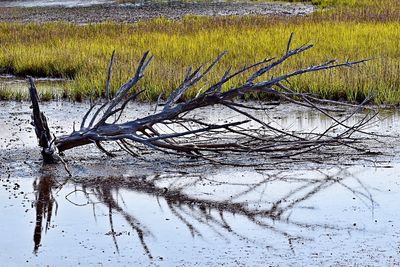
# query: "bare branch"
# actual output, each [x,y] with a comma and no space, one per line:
[175,130]
[109,75]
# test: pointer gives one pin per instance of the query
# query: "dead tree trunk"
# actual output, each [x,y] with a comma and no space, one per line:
[42,130]
[101,122]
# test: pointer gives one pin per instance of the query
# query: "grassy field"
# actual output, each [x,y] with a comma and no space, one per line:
[350,30]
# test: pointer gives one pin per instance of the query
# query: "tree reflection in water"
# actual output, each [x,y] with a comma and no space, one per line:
[44,204]
[249,201]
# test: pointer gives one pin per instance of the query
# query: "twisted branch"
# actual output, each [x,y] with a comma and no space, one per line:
[210,138]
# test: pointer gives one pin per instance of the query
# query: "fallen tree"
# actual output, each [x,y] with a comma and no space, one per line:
[186,135]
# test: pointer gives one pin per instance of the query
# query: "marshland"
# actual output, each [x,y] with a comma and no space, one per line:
[291,161]
[80,53]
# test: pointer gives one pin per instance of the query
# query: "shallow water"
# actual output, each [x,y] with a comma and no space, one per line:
[122,211]
[12,87]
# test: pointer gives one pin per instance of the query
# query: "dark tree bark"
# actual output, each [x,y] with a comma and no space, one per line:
[101,122]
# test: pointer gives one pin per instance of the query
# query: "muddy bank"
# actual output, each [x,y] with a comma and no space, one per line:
[147,10]
[46,3]
[16,135]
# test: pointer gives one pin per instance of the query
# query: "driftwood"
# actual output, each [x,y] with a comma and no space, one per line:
[193,137]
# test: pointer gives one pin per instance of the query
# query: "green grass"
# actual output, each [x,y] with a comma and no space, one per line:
[352,30]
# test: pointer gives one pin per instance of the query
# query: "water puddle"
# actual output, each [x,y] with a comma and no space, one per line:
[124,211]
[12,87]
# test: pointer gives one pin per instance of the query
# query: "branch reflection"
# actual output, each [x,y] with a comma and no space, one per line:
[184,196]
[44,204]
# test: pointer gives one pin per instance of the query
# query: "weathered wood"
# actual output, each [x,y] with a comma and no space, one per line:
[39,121]
[104,123]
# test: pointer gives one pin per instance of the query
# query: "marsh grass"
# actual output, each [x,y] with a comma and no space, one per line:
[81,52]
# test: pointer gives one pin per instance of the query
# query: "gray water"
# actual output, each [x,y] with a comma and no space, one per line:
[124,212]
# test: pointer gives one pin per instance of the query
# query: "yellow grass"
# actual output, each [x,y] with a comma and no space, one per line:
[82,53]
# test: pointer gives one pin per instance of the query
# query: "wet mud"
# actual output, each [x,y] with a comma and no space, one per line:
[47,3]
[168,211]
[28,11]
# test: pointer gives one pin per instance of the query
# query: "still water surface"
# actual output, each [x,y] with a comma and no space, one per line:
[126,212]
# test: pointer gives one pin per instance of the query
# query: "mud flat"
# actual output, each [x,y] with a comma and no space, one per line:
[47,3]
[27,11]
[168,211]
